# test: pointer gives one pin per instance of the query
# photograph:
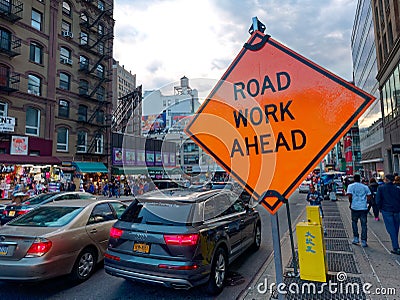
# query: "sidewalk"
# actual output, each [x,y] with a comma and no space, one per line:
[353,272]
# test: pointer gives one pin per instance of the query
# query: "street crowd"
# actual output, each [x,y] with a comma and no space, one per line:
[382,196]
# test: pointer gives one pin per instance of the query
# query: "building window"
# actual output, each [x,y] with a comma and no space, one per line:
[83,63]
[390,35]
[99,143]
[100,116]
[100,93]
[34,85]
[5,6]
[65,56]
[4,76]
[3,109]
[83,87]
[66,28]
[84,18]
[66,8]
[36,21]
[82,142]
[385,49]
[82,113]
[100,29]
[63,109]
[100,71]
[62,139]
[36,53]
[32,126]
[84,38]
[65,81]
[5,39]
[100,5]
[100,47]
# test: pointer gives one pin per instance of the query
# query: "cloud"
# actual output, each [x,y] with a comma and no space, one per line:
[161,41]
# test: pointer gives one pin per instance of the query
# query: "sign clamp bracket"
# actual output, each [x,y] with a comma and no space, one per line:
[257,26]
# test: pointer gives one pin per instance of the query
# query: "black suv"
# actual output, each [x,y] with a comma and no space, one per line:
[181,238]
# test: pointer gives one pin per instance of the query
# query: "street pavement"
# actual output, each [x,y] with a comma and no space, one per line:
[353,272]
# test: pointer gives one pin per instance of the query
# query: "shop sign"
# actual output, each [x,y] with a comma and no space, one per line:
[19,145]
[117,156]
[7,169]
[7,124]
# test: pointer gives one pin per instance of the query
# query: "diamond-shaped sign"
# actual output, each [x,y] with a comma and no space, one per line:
[273,117]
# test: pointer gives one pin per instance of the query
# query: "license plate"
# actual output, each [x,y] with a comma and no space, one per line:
[3,250]
[141,247]
[11,213]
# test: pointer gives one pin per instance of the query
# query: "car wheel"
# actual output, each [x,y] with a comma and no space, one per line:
[257,238]
[84,265]
[219,268]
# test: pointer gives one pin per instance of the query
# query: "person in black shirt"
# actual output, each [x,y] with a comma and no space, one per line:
[388,202]
[373,186]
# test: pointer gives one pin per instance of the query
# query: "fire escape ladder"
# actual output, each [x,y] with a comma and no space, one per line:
[101,81]
[125,108]
[97,63]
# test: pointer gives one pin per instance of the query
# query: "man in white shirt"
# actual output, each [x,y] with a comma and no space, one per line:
[359,194]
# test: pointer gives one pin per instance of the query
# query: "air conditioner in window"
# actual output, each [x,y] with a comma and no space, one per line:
[36,93]
[67,34]
[66,61]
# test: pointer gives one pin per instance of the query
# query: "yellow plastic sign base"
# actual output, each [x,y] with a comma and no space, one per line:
[311,247]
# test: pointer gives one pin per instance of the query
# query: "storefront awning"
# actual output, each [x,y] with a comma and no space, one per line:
[90,167]
[374,160]
[137,170]
[27,159]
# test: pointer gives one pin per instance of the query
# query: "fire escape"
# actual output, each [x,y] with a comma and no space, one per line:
[96,41]
[124,115]
[10,45]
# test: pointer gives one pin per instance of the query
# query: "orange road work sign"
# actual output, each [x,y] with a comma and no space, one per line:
[273,117]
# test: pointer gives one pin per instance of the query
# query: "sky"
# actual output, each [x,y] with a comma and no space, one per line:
[163,40]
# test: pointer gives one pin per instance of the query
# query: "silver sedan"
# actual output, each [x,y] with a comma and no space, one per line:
[64,237]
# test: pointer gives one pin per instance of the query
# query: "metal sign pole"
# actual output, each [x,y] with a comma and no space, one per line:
[294,257]
[277,252]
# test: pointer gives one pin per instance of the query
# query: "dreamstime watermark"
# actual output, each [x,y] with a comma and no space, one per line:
[339,286]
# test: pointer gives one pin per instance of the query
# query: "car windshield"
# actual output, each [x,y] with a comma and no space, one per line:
[46,216]
[38,199]
[162,212]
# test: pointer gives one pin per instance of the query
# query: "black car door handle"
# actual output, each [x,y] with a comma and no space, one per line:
[93,230]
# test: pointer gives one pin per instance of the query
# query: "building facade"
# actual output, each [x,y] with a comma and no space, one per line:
[386,17]
[55,80]
[165,117]
[364,76]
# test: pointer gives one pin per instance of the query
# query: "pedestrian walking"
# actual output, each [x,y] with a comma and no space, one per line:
[388,202]
[359,195]
[315,198]
[373,187]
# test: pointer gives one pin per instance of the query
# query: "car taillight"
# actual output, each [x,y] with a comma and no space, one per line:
[181,239]
[5,212]
[113,257]
[172,267]
[22,212]
[115,233]
[39,248]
